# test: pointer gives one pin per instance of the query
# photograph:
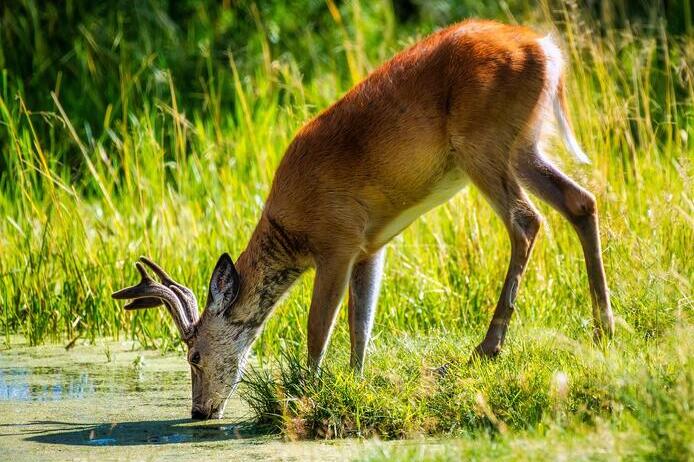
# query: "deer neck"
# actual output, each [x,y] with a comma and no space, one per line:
[270,265]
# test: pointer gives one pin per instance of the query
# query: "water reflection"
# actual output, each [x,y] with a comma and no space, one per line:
[21,384]
[105,402]
[53,384]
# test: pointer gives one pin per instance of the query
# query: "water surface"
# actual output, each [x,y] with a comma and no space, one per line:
[114,401]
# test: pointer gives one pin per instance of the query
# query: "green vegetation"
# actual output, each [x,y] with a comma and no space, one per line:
[148,128]
[634,397]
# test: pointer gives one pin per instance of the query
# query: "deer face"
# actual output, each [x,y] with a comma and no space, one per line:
[218,349]
[217,354]
[217,345]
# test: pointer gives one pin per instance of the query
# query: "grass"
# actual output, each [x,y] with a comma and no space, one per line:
[156,171]
[546,387]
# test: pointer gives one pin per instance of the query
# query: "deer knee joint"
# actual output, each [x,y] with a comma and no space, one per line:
[581,203]
[527,221]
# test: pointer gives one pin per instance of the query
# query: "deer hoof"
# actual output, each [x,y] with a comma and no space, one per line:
[487,350]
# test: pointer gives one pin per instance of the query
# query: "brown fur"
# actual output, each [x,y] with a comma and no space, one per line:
[459,98]
[466,103]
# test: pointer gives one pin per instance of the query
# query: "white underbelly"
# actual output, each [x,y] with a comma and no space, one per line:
[446,188]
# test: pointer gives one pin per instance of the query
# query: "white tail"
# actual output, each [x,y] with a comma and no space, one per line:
[567,135]
[555,83]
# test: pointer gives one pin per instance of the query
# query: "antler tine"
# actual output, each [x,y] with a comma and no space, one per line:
[131,292]
[158,270]
[137,290]
[142,303]
[190,303]
[147,291]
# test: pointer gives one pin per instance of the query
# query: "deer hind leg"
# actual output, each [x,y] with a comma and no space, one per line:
[522,221]
[365,285]
[578,206]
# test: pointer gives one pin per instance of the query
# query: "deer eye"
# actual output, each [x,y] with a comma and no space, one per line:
[195,359]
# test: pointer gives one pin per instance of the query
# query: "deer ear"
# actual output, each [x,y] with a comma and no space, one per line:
[224,284]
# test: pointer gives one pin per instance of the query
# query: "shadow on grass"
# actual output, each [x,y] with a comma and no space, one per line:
[144,432]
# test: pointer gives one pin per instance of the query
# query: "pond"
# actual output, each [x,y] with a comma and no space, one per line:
[110,400]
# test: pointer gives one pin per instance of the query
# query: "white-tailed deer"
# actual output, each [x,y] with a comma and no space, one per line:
[466,103]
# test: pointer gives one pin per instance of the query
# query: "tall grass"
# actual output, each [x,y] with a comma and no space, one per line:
[86,188]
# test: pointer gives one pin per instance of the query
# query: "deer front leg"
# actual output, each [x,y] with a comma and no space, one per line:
[332,276]
[364,287]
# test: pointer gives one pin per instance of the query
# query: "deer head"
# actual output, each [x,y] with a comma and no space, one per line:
[217,346]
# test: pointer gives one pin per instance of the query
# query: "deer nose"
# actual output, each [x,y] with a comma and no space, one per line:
[197,414]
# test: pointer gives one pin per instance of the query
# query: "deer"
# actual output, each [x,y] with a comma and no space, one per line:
[466,104]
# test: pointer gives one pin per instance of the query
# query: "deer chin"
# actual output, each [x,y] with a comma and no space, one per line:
[213,410]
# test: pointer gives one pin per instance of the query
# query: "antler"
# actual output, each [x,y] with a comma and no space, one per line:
[148,293]
[190,303]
